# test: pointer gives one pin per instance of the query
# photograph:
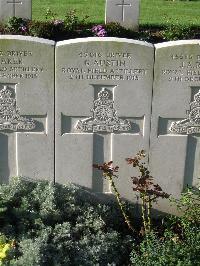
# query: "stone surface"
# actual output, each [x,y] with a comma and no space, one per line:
[103,106]
[26,107]
[103,110]
[15,8]
[125,12]
[175,130]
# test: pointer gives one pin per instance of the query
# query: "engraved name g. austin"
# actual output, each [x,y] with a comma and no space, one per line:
[104,116]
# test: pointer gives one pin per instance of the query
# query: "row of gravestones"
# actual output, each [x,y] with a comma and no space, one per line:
[67,105]
[125,12]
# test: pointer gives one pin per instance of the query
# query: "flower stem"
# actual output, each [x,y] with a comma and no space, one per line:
[144,213]
[149,206]
[120,203]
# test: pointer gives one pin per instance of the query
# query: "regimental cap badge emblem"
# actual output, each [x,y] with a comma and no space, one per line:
[10,118]
[190,125]
[104,117]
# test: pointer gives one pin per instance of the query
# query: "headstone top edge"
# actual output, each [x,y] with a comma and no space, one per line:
[27,38]
[177,43]
[103,39]
[107,1]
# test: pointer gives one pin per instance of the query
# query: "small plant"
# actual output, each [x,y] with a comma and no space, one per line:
[17,25]
[114,29]
[174,30]
[59,29]
[189,205]
[72,21]
[5,247]
[109,173]
[168,250]
[50,15]
[179,241]
[148,191]
[60,225]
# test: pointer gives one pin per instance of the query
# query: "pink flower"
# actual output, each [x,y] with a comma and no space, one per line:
[23,28]
[99,31]
[58,22]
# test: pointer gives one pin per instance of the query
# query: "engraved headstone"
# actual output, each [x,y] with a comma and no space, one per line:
[124,12]
[26,107]
[103,106]
[15,8]
[175,133]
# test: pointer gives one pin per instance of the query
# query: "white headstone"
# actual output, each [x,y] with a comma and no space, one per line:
[175,130]
[125,12]
[26,107]
[15,8]
[103,106]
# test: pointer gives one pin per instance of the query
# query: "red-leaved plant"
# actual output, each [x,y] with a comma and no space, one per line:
[143,184]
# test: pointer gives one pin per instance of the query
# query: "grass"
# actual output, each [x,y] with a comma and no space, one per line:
[153,12]
[92,8]
[160,11]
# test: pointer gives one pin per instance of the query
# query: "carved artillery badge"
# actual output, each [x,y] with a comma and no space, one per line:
[104,116]
[190,125]
[10,118]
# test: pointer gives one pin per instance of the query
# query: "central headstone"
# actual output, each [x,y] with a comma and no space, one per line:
[124,12]
[26,107]
[15,8]
[103,106]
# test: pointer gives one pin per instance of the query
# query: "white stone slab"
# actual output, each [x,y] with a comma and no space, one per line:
[15,8]
[125,12]
[26,107]
[94,78]
[175,148]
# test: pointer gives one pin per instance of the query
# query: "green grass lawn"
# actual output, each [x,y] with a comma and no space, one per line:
[156,12]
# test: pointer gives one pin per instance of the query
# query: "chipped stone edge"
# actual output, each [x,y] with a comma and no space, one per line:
[27,38]
[103,39]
